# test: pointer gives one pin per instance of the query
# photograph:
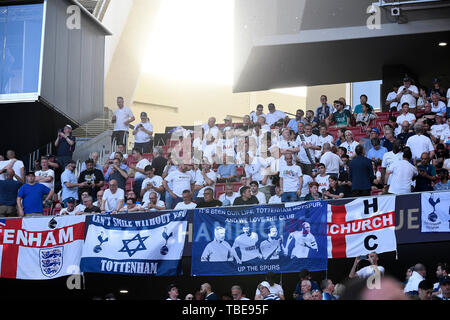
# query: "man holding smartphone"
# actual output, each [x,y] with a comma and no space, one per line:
[408,93]
[367,271]
[143,133]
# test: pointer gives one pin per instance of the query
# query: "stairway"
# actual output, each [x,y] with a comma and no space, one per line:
[96,126]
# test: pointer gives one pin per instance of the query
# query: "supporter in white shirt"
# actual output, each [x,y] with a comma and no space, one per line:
[14,164]
[151,183]
[391,157]
[420,143]
[210,128]
[445,137]
[417,276]
[206,179]
[180,181]
[308,145]
[349,144]
[408,93]
[322,178]
[122,118]
[153,203]
[122,150]
[187,203]
[254,185]
[402,172]
[391,99]
[367,271]
[45,176]
[323,138]
[139,170]
[274,115]
[439,127]
[448,97]
[437,106]
[255,114]
[291,178]
[113,198]
[406,115]
[276,199]
[143,132]
[305,186]
[70,209]
[254,170]
[229,196]
[210,149]
[331,160]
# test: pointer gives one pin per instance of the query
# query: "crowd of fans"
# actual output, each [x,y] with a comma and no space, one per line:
[332,152]
[367,280]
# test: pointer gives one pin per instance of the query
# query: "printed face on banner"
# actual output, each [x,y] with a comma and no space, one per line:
[259,240]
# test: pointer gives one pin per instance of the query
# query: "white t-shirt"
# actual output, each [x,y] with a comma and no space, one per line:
[391,96]
[388,159]
[368,271]
[303,157]
[214,131]
[200,181]
[261,197]
[159,203]
[448,97]
[307,179]
[141,165]
[288,144]
[65,211]
[125,156]
[445,136]
[438,129]
[48,173]
[402,173]
[419,144]
[122,115]
[440,108]
[408,97]
[255,170]
[408,117]
[183,206]
[331,162]
[275,289]
[141,136]
[290,175]
[156,181]
[17,166]
[271,118]
[224,197]
[79,208]
[321,141]
[180,181]
[112,199]
[324,182]
[446,164]
[350,147]
[274,199]
[254,116]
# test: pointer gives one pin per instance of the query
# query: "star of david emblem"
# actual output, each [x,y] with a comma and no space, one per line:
[139,247]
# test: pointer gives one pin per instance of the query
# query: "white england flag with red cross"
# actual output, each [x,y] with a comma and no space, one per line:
[41,248]
[361,226]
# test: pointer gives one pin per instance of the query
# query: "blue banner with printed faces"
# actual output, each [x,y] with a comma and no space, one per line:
[148,244]
[257,240]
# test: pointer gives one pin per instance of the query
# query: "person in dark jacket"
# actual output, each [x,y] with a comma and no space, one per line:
[361,173]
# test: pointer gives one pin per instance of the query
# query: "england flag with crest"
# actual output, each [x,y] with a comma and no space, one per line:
[41,248]
[361,226]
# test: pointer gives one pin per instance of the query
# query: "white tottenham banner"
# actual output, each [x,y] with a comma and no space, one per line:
[361,226]
[41,248]
[435,212]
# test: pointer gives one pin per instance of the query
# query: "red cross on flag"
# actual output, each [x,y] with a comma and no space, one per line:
[361,226]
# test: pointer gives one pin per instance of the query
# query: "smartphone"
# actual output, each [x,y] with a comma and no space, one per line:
[364,257]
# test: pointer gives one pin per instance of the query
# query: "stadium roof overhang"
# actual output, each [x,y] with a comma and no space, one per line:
[340,55]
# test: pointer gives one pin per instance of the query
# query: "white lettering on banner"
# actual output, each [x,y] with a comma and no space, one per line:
[359,226]
[132,267]
[37,239]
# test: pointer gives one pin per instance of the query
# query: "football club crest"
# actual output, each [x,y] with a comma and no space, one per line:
[164,249]
[51,261]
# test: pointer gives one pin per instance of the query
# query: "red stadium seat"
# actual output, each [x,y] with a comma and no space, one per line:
[240,171]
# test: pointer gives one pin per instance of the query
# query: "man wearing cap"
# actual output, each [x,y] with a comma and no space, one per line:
[437,89]
[70,209]
[228,124]
[65,143]
[408,93]
[29,197]
[264,289]
[143,133]
[444,284]
[121,118]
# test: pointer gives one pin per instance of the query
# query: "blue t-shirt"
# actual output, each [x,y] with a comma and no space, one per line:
[377,154]
[32,197]
[227,170]
[358,108]
[8,192]
[68,176]
[440,186]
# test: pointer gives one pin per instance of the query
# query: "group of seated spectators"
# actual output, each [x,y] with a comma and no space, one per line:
[332,152]
[418,285]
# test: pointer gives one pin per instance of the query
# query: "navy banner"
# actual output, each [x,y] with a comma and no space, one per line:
[135,244]
[257,240]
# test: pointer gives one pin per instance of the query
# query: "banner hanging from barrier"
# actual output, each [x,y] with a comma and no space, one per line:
[41,248]
[361,226]
[256,240]
[435,212]
[135,244]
